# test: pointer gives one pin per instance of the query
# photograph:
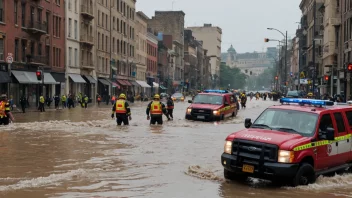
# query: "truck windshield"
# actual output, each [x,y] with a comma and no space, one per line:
[208,99]
[290,121]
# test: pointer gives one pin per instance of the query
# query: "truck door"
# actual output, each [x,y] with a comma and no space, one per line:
[326,155]
[227,106]
[343,138]
[349,128]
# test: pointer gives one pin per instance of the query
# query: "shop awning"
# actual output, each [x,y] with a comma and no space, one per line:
[104,82]
[4,77]
[77,78]
[22,78]
[115,85]
[90,79]
[134,83]
[143,84]
[48,78]
[127,83]
[155,84]
[122,82]
[162,87]
[59,77]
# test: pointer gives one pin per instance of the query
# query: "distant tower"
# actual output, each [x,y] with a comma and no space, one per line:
[231,57]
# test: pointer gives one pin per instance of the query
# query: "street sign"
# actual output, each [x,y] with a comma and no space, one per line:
[9,59]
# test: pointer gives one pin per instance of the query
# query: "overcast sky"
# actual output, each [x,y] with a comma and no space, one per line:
[243,22]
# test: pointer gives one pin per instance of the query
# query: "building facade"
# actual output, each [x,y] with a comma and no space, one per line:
[254,63]
[152,62]
[33,33]
[141,50]
[211,37]
[172,23]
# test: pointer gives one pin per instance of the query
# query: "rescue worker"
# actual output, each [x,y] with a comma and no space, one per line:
[122,110]
[85,101]
[98,99]
[170,107]
[257,95]
[156,110]
[113,99]
[41,104]
[243,98]
[57,101]
[63,101]
[23,102]
[80,99]
[5,113]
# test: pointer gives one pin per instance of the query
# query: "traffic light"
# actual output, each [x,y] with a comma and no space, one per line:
[326,78]
[349,67]
[266,40]
[276,78]
[39,75]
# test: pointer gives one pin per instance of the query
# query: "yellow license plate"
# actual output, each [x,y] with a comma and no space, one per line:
[248,168]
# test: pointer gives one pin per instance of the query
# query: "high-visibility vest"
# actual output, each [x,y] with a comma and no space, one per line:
[156,108]
[120,106]
[86,99]
[63,98]
[2,110]
[41,99]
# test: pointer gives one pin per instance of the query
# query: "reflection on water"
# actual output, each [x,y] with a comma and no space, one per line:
[82,153]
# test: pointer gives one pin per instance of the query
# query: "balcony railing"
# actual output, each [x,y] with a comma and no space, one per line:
[87,39]
[41,60]
[87,64]
[36,26]
[87,11]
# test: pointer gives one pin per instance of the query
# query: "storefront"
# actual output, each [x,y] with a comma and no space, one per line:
[155,88]
[76,84]
[4,81]
[89,88]
[26,84]
[146,89]
[59,88]
[104,89]
[136,88]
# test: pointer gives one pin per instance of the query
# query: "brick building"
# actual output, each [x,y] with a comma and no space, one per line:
[34,33]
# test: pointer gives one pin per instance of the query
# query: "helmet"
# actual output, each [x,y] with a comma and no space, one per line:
[156,96]
[122,96]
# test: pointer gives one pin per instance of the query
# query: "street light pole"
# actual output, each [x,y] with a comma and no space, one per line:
[286,61]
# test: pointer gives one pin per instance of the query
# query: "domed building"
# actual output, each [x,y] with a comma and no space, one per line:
[254,62]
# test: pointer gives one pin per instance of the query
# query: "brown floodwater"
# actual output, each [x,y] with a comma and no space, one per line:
[82,153]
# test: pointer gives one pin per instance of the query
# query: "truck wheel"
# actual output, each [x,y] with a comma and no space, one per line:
[233,176]
[304,176]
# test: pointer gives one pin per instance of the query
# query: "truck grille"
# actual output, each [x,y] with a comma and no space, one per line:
[201,112]
[254,152]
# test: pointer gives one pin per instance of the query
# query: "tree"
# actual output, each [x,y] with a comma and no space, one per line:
[263,80]
[232,76]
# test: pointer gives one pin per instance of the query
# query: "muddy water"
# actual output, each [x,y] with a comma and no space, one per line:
[82,153]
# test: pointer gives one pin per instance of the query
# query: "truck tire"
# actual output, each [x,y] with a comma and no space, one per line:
[304,176]
[234,177]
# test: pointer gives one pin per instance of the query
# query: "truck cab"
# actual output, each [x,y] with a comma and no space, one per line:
[296,141]
[212,105]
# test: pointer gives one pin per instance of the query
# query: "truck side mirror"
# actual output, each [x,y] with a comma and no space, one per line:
[327,134]
[190,101]
[247,123]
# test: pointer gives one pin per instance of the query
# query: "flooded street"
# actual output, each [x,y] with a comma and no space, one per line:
[82,153]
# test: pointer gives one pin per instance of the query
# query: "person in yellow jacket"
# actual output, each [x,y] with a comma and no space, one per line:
[156,109]
[41,104]
[63,101]
[85,101]
[5,113]
[122,110]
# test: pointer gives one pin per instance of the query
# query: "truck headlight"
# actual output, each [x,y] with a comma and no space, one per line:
[216,112]
[285,156]
[228,147]
[189,111]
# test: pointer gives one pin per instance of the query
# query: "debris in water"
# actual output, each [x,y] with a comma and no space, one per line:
[196,171]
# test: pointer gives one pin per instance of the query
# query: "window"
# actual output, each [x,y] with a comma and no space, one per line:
[59,28]
[106,21]
[98,40]
[16,12]
[32,47]
[340,122]
[102,19]
[76,29]
[2,13]
[98,17]
[69,4]
[47,21]
[69,27]
[39,49]
[106,40]
[102,42]
[23,17]
[47,52]
[113,23]
[76,6]
[23,50]
[39,16]
[113,45]
[69,56]
[118,24]
[58,2]
[349,117]
[16,49]
[325,122]
[76,57]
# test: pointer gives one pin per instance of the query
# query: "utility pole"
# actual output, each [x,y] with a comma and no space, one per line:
[285,77]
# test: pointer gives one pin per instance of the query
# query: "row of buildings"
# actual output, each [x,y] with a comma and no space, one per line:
[102,47]
[322,48]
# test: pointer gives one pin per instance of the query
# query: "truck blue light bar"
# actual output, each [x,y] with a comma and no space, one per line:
[215,91]
[307,101]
